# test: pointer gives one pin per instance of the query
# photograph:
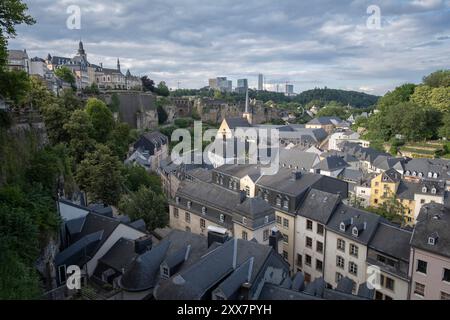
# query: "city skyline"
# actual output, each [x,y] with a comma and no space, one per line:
[188,42]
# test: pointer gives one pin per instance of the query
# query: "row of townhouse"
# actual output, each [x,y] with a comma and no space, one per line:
[321,236]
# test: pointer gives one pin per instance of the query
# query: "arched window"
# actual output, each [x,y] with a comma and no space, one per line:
[279,200]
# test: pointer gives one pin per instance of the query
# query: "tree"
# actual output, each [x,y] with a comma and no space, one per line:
[14,86]
[401,94]
[12,13]
[101,118]
[137,176]
[55,117]
[69,100]
[66,75]
[120,139]
[114,106]
[162,115]
[147,205]
[444,130]
[80,131]
[148,84]
[37,94]
[99,175]
[440,99]
[162,89]
[440,78]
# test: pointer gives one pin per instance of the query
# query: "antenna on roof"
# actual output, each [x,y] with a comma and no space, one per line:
[250,269]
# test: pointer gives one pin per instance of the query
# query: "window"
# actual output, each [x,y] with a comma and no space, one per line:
[389,283]
[299,260]
[309,225]
[177,200]
[285,238]
[266,219]
[285,255]
[247,191]
[244,235]
[320,229]
[338,277]
[266,234]
[175,213]
[446,276]
[285,223]
[445,296]
[62,274]
[340,262]
[419,289]
[354,250]
[222,218]
[422,266]
[266,197]
[166,272]
[309,242]
[386,261]
[202,223]
[353,268]
[319,247]
[279,220]
[307,277]
[188,229]
[341,245]
[204,210]
[278,201]
[189,204]
[187,217]
[244,221]
[308,260]
[286,203]
[319,265]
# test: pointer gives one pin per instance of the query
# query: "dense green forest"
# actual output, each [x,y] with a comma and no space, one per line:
[317,96]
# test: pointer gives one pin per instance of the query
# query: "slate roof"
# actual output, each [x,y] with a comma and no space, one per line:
[234,123]
[80,251]
[391,175]
[231,285]
[95,223]
[240,170]
[254,208]
[439,166]
[17,55]
[346,213]
[143,272]
[277,293]
[361,153]
[75,226]
[433,219]
[392,241]
[331,164]
[325,120]
[151,140]
[384,162]
[194,282]
[296,158]
[139,224]
[319,206]
[351,175]
[120,255]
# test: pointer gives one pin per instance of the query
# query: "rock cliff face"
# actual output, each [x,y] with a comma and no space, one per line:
[137,109]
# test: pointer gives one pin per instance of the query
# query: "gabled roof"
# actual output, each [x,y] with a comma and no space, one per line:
[391,175]
[231,285]
[325,120]
[319,205]
[254,208]
[331,163]
[151,140]
[433,221]
[143,273]
[296,158]
[234,123]
[17,54]
[365,222]
[80,251]
[121,254]
[392,241]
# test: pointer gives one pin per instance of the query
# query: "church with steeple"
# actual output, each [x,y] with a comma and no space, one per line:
[87,73]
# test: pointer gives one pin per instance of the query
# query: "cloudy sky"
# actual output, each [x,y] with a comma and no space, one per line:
[308,43]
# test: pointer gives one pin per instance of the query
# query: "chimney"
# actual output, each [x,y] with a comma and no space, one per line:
[365,225]
[101,65]
[215,234]
[245,291]
[242,196]
[143,245]
[296,175]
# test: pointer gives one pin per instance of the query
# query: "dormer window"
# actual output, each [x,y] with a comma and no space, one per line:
[266,196]
[424,189]
[342,227]
[189,204]
[204,210]
[222,218]
[266,219]
[432,239]
[177,200]
[244,221]
[408,172]
[355,231]
[420,174]
[278,201]
[414,174]
[286,203]
[433,190]
[435,175]
[430,175]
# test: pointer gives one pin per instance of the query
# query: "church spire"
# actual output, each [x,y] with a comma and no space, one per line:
[81,51]
[118,64]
